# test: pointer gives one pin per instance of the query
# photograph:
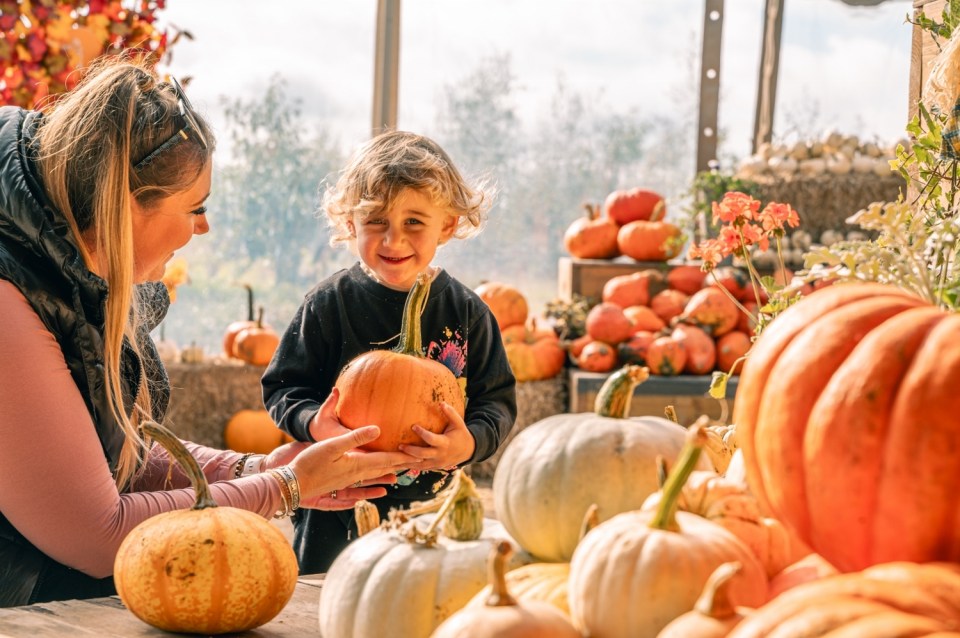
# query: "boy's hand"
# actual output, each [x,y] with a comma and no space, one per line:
[325,424]
[445,450]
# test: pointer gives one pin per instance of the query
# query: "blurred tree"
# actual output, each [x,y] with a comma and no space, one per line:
[267,195]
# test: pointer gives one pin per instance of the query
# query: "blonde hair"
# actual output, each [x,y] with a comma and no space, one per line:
[396,160]
[88,143]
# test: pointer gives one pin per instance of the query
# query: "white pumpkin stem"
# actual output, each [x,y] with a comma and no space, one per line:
[665,517]
[497,570]
[715,600]
[182,456]
[410,338]
[367,516]
[671,413]
[463,487]
[616,393]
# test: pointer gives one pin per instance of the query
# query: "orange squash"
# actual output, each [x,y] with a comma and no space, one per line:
[606,322]
[700,348]
[649,241]
[508,305]
[597,356]
[253,431]
[592,236]
[668,304]
[730,348]
[634,349]
[627,205]
[687,278]
[860,457]
[644,318]
[206,570]
[631,290]
[666,356]
[713,310]
[893,599]
[396,389]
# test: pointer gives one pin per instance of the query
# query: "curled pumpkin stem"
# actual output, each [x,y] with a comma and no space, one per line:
[665,517]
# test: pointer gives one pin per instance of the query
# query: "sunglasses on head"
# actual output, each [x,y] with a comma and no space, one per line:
[186,123]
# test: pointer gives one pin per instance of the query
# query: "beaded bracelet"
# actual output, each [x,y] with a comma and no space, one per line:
[241,464]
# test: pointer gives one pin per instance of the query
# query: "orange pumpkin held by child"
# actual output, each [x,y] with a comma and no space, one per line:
[396,389]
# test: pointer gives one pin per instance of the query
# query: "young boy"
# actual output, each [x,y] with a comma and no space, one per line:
[399,199]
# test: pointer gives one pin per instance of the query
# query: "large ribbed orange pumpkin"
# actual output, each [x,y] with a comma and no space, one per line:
[396,389]
[846,412]
[206,570]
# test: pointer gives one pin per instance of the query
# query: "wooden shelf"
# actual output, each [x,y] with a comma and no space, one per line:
[587,276]
[686,393]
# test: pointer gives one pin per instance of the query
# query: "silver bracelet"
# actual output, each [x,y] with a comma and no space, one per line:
[292,484]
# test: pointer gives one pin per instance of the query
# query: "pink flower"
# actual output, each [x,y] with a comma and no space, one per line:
[735,208]
[775,215]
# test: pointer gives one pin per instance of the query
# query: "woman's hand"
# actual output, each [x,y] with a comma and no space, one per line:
[334,475]
[445,450]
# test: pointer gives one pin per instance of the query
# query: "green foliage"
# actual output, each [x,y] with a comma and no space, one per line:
[916,245]
[950,18]
[706,188]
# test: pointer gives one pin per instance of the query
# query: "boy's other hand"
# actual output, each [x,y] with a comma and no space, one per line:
[445,450]
[325,424]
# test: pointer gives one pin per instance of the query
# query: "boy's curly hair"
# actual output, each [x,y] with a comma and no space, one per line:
[391,162]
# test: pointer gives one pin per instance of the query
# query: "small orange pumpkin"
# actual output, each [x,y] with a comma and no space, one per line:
[506,302]
[687,278]
[593,236]
[644,318]
[700,348]
[668,304]
[253,431]
[230,335]
[396,389]
[666,356]
[256,344]
[597,356]
[634,349]
[732,347]
[534,353]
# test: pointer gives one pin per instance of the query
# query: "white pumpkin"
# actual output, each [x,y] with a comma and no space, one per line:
[384,584]
[553,471]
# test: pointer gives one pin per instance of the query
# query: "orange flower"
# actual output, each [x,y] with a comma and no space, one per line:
[735,208]
[710,251]
[775,215]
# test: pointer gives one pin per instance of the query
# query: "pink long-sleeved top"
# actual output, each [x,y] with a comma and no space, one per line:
[55,486]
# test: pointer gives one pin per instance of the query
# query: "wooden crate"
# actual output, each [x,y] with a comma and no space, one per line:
[686,393]
[923,51]
[587,276]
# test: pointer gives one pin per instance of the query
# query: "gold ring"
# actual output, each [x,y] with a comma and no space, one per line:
[333,494]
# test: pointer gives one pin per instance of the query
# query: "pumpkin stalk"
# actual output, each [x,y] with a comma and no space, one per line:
[499,596]
[410,338]
[463,491]
[715,600]
[181,455]
[250,306]
[616,393]
[590,520]
[367,517]
[665,517]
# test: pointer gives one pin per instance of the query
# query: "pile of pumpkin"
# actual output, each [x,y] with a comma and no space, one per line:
[677,323]
[631,222]
[836,514]
[533,347]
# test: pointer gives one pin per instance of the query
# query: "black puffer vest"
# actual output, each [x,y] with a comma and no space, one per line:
[39,256]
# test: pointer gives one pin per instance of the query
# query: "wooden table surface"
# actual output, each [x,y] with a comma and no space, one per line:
[108,617]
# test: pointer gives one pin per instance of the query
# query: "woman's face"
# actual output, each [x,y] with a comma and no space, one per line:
[167,225]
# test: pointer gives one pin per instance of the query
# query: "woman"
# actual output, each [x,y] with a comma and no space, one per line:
[96,194]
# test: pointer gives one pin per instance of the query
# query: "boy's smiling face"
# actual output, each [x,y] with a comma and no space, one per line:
[400,243]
